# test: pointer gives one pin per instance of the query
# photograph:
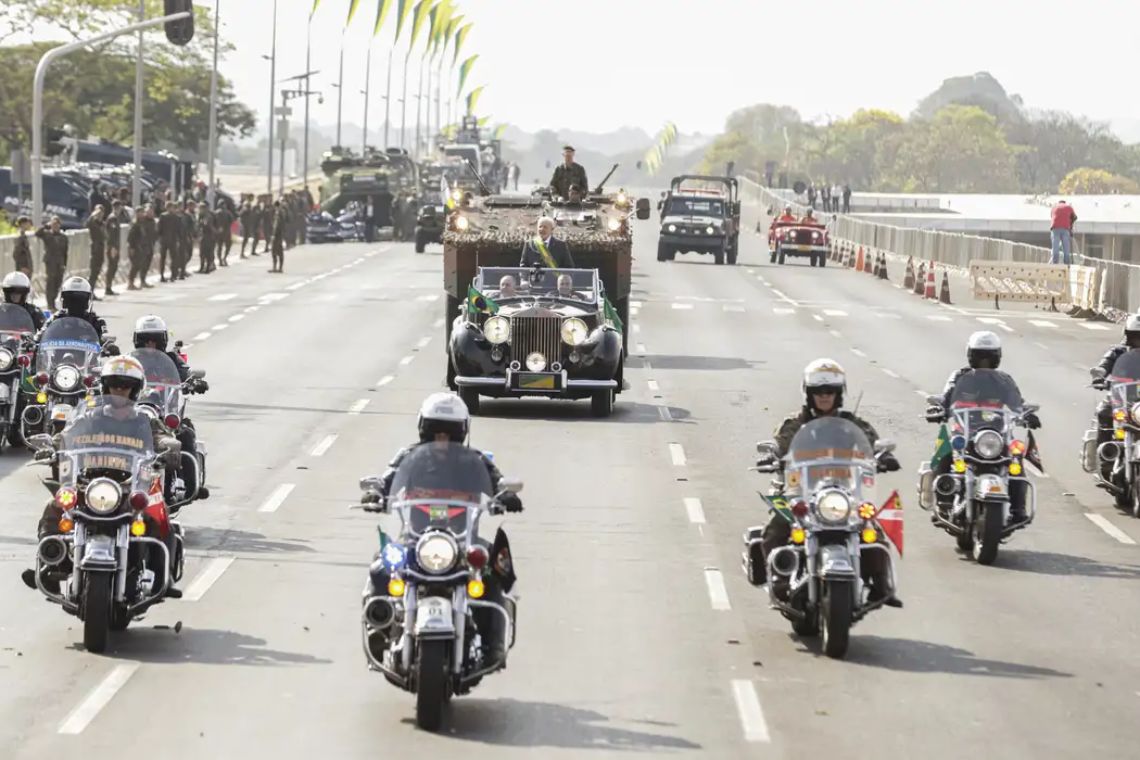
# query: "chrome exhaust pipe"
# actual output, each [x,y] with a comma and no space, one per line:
[33,415]
[52,551]
[379,613]
[784,561]
[946,485]
[1108,451]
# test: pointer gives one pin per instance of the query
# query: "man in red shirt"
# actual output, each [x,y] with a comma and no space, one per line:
[1061,232]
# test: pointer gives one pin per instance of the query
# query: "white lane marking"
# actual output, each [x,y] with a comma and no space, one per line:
[677,454]
[835,333]
[751,715]
[637,328]
[1110,529]
[890,373]
[834,313]
[887,315]
[237,318]
[422,342]
[857,352]
[653,386]
[682,305]
[277,498]
[694,509]
[732,307]
[358,406]
[324,445]
[1043,323]
[666,415]
[1094,326]
[635,304]
[924,394]
[251,309]
[718,594]
[407,360]
[222,297]
[817,317]
[939,318]
[438,323]
[271,297]
[98,698]
[297,286]
[782,310]
[219,327]
[207,578]
[384,381]
[1005,327]
[784,298]
[429,297]
[201,336]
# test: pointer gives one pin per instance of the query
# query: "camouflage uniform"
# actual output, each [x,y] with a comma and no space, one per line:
[565,176]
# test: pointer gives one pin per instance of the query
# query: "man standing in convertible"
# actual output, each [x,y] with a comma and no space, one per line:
[545,250]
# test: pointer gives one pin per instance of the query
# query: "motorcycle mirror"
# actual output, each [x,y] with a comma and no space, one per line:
[766,447]
[514,485]
[884,445]
[40,442]
[1098,373]
[198,374]
[1030,408]
[371,483]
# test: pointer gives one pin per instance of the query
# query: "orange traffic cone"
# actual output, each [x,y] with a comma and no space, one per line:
[919,278]
[859,260]
[944,296]
[930,283]
[908,278]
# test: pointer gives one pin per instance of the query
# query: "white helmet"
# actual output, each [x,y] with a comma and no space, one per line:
[983,345]
[17,281]
[123,370]
[443,413]
[151,328]
[76,295]
[1131,328]
[824,375]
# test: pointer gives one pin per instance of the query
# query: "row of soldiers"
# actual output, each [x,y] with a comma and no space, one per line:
[259,217]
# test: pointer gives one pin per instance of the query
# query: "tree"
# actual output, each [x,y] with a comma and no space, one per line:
[960,150]
[1086,181]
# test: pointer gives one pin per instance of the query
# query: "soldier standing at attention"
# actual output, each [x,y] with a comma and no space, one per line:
[169,233]
[224,222]
[278,236]
[248,225]
[189,235]
[207,235]
[119,217]
[135,245]
[55,258]
[568,173]
[97,230]
[268,218]
[22,252]
[150,237]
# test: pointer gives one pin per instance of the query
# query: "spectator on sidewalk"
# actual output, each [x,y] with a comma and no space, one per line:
[825,197]
[847,199]
[1061,232]
[836,196]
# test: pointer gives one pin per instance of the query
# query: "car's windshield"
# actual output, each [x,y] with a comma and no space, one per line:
[829,451]
[527,283]
[437,484]
[695,207]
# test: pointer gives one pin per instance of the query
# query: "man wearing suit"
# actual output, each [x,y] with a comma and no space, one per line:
[545,250]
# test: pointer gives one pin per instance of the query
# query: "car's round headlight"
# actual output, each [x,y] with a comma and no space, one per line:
[497,330]
[536,362]
[574,331]
[833,506]
[614,225]
[461,223]
[66,378]
[436,553]
[989,444]
[672,228]
[621,199]
[6,359]
[710,230]
[103,496]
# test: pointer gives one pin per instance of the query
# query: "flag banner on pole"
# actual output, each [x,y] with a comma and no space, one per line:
[477,303]
[460,38]
[941,447]
[612,316]
[314,8]
[418,18]
[382,9]
[403,8]
[464,70]
[353,5]
[890,519]
[473,99]
[445,191]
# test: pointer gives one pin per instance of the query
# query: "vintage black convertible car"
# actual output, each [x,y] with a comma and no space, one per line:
[542,332]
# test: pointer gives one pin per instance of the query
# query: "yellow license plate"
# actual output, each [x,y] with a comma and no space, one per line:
[537,382]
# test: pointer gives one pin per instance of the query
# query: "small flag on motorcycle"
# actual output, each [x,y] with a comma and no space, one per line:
[890,518]
[941,447]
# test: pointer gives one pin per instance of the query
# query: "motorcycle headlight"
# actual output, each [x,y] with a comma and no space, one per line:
[66,378]
[497,330]
[989,444]
[574,331]
[436,553]
[833,506]
[6,359]
[103,496]
[1135,407]
[536,362]
[672,228]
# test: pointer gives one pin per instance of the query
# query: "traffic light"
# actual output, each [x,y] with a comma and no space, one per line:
[179,32]
[55,145]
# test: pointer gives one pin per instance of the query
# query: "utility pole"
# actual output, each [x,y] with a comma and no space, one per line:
[212,152]
[272,100]
[136,172]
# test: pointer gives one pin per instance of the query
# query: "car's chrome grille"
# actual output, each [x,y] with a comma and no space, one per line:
[541,334]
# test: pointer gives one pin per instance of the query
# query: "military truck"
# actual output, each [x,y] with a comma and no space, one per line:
[390,180]
[494,229]
[700,214]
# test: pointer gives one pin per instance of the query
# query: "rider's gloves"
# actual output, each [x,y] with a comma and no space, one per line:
[1033,421]
[511,502]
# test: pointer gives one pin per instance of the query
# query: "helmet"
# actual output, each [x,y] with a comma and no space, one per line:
[76,295]
[983,346]
[16,282]
[120,370]
[151,328]
[443,413]
[824,376]
[1131,328]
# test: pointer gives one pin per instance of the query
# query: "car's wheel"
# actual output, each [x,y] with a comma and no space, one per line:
[823,259]
[780,256]
[812,260]
[602,403]
[732,253]
[421,241]
[470,397]
[662,252]
[718,256]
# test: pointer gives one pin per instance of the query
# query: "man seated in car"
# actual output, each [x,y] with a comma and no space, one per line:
[566,288]
[506,288]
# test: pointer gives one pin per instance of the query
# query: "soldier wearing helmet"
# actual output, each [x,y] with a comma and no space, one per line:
[824,384]
[17,291]
[75,297]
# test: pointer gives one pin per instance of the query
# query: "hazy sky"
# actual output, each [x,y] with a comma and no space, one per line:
[602,64]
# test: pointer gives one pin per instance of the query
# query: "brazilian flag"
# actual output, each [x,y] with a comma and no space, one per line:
[941,447]
[779,505]
[477,303]
[612,316]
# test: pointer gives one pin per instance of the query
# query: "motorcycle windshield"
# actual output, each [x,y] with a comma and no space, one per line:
[1125,378]
[829,452]
[981,399]
[107,436]
[68,340]
[163,383]
[436,485]
[14,322]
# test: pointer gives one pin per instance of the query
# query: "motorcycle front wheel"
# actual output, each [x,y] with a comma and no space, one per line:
[431,680]
[96,611]
[987,533]
[836,613]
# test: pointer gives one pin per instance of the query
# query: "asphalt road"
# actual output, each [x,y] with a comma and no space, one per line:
[637,631]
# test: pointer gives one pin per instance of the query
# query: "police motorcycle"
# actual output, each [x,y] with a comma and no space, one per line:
[66,366]
[423,631]
[164,399]
[116,552]
[1116,461]
[16,348]
[986,463]
[825,494]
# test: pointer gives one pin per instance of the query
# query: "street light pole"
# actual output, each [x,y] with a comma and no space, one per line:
[388,97]
[340,90]
[272,100]
[308,69]
[136,172]
[404,105]
[367,92]
[211,153]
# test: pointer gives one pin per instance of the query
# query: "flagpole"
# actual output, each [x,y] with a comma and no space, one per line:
[419,101]
[388,97]
[367,90]
[427,109]
[308,68]
[340,91]
[404,106]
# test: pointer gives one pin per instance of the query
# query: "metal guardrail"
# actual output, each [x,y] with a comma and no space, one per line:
[1114,287]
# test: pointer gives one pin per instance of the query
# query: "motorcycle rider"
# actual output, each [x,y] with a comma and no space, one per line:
[76,298]
[824,383]
[122,380]
[151,332]
[983,351]
[17,287]
[1104,408]
[443,419]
